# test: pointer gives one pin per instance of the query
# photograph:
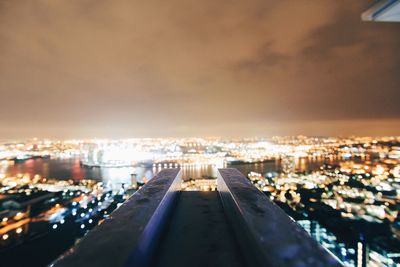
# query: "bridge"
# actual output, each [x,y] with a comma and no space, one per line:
[160,225]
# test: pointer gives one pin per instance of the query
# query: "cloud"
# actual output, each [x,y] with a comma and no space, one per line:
[182,68]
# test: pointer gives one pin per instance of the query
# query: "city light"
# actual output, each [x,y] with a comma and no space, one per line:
[352,181]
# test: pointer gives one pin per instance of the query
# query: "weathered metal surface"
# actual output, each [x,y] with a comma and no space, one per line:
[199,235]
[268,237]
[129,236]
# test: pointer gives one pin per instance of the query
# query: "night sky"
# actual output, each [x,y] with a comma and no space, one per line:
[96,68]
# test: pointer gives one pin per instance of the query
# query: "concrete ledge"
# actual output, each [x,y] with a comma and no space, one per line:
[384,11]
[268,237]
[129,236]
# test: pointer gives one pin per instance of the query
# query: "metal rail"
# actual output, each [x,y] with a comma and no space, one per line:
[268,236]
[130,235]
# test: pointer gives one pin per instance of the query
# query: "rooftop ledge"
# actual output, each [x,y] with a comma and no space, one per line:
[133,233]
[383,11]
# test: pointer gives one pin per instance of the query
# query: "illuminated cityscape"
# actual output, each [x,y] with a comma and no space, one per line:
[199,133]
[344,191]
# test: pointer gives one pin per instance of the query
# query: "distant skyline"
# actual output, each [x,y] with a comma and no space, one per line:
[119,69]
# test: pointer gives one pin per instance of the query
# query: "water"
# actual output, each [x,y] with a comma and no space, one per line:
[71,168]
[302,165]
[64,169]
